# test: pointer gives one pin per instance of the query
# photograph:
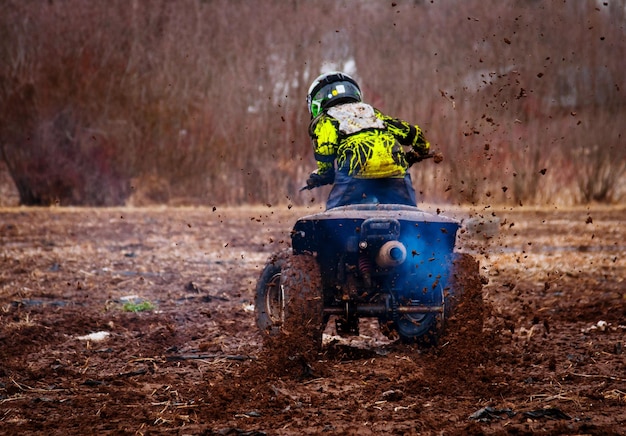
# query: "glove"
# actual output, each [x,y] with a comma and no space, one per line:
[412,157]
[316,180]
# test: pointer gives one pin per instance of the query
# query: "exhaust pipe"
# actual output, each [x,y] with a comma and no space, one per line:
[392,253]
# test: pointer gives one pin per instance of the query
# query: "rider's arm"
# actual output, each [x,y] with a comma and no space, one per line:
[325,139]
[406,134]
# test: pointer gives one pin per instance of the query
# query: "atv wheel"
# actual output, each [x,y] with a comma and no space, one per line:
[422,329]
[301,282]
[464,302]
[269,296]
[463,293]
[289,303]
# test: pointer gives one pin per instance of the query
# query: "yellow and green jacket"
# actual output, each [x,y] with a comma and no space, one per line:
[365,143]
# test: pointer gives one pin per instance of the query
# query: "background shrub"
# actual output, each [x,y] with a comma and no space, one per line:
[202,102]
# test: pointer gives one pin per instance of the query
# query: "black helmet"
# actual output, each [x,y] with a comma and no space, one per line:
[330,89]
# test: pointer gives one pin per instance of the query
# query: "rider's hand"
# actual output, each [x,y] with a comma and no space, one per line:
[315,180]
[412,157]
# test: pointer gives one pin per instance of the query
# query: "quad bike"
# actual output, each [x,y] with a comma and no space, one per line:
[392,262]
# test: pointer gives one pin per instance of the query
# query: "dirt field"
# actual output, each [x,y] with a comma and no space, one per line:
[167,297]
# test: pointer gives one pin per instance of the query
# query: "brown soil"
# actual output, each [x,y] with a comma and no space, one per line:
[550,358]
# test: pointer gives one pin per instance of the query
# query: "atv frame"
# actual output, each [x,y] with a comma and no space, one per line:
[392,262]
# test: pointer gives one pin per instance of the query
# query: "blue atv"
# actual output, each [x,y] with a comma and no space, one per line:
[392,262]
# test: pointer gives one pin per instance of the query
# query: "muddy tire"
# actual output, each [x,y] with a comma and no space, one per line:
[304,305]
[268,303]
[289,306]
[464,300]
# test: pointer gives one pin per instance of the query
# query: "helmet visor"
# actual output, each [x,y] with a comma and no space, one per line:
[333,93]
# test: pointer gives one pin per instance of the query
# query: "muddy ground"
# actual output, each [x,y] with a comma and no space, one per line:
[167,297]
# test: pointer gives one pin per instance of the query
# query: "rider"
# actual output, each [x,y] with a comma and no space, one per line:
[371,164]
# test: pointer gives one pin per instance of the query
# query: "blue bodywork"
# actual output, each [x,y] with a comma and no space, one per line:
[347,240]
